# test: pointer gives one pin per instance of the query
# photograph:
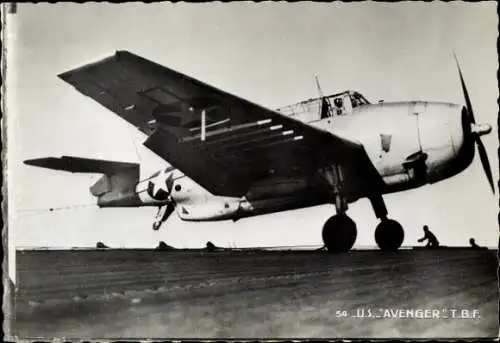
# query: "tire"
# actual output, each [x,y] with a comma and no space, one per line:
[389,235]
[339,233]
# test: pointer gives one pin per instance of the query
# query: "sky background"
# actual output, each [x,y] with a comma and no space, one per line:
[267,53]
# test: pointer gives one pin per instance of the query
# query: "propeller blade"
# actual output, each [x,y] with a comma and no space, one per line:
[466,94]
[480,146]
[484,161]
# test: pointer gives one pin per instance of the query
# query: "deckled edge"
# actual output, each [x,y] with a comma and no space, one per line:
[7,284]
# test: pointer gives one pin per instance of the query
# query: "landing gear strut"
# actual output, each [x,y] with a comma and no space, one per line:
[162,215]
[339,232]
[389,234]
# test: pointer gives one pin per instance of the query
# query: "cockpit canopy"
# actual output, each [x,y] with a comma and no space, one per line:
[328,106]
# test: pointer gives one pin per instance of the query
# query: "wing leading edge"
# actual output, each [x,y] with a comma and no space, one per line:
[243,142]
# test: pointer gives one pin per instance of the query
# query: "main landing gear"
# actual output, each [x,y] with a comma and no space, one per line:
[340,232]
[389,234]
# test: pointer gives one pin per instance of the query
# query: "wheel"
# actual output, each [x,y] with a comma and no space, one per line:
[389,235]
[339,233]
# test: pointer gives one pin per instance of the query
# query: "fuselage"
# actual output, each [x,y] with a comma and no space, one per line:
[409,143]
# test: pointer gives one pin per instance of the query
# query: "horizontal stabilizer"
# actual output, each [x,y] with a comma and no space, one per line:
[80,165]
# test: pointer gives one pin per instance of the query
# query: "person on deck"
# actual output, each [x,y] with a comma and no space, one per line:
[473,244]
[432,241]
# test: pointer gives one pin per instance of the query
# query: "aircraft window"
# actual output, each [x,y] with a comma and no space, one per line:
[339,106]
[304,111]
[355,102]
[358,100]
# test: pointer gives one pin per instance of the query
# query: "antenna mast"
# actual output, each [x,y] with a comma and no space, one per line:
[325,109]
[318,86]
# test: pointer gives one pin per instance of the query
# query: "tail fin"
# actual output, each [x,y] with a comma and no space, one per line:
[115,189]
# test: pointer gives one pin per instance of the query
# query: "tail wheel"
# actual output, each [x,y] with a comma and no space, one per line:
[389,235]
[339,233]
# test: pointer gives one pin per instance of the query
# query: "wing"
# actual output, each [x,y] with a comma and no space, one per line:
[243,143]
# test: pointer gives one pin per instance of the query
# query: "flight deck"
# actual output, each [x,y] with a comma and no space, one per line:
[419,293]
